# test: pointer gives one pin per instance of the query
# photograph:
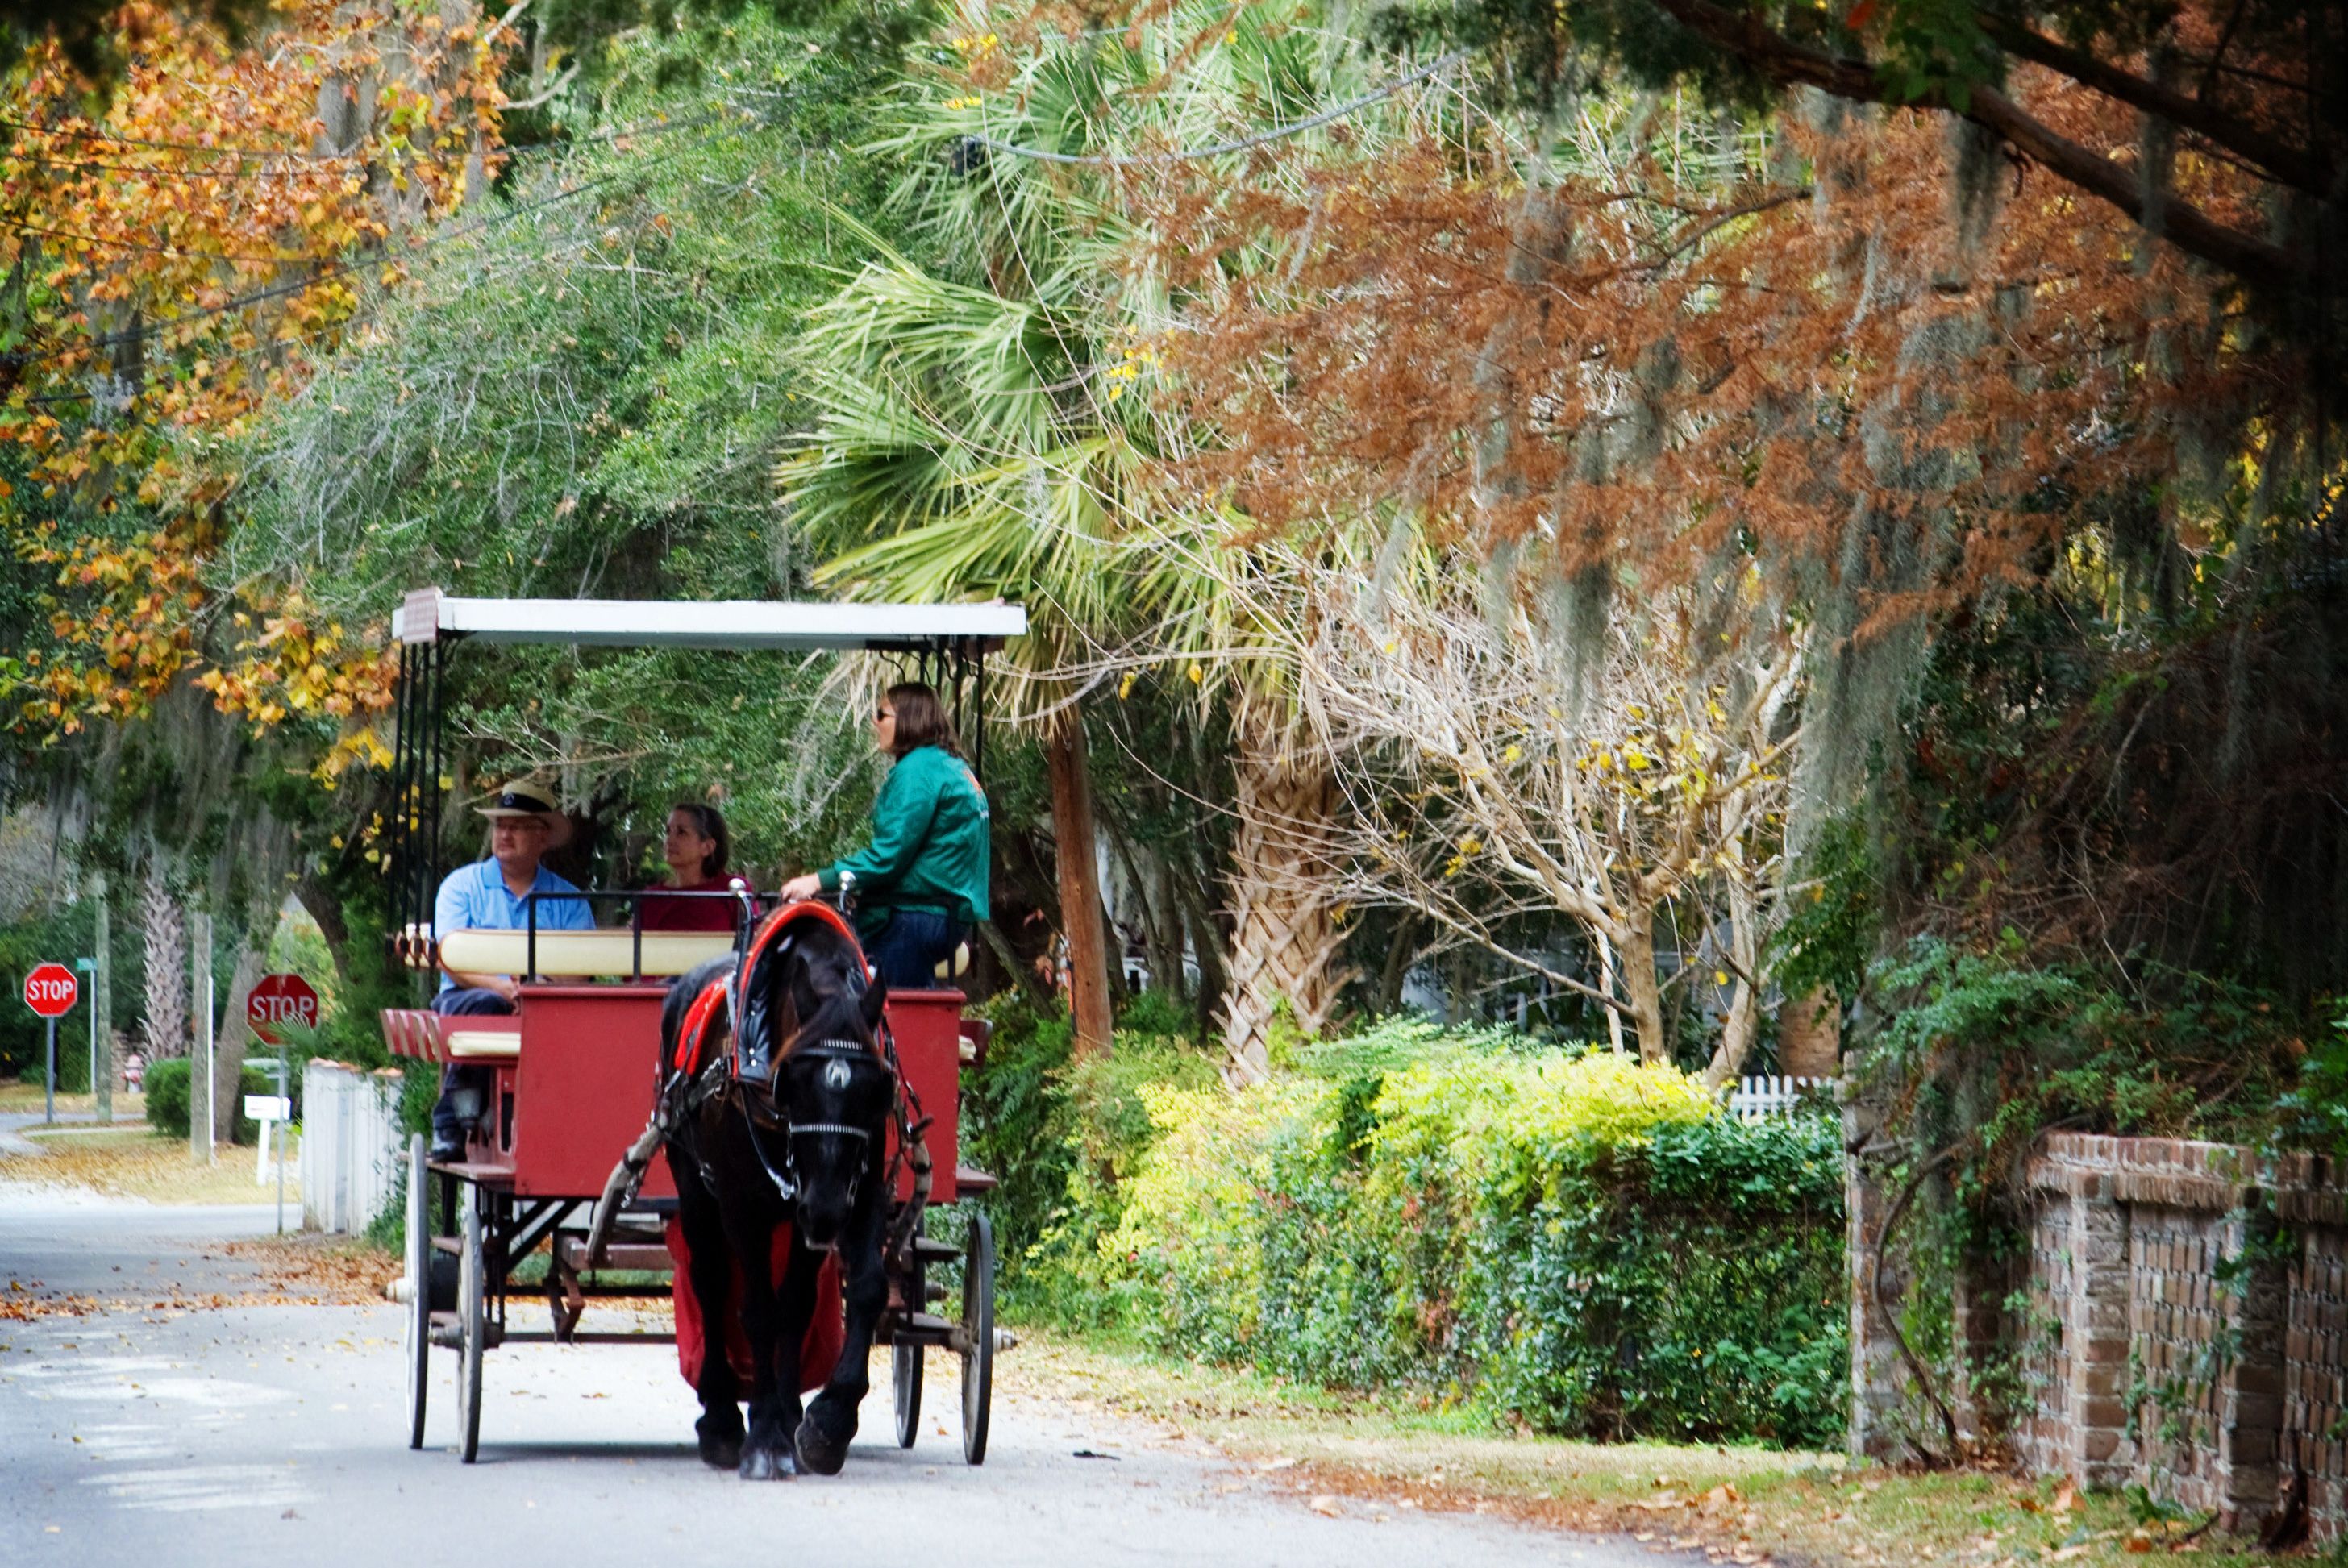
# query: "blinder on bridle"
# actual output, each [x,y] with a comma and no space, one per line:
[757,1074]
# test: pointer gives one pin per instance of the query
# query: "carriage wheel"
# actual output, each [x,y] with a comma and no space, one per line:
[905,1379]
[471,1307]
[978,1337]
[904,1356]
[419,1282]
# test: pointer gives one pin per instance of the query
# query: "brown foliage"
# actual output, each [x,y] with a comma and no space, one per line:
[1825,363]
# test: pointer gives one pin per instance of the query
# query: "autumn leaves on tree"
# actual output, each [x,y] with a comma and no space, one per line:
[183,247]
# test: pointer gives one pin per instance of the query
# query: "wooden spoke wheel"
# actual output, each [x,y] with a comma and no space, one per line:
[472,1301]
[905,1382]
[904,1356]
[978,1337]
[419,1285]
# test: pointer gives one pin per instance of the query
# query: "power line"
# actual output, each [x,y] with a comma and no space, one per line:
[1221,148]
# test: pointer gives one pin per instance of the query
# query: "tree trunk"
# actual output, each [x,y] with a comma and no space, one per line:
[101,999]
[324,906]
[164,983]
[1643,995]
[1285,933]
[1744,1021]
[234,1038]
[1079,876]
[1395,972]
[1809,1035]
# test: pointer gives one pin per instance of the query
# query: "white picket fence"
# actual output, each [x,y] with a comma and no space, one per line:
[350,1136]
[1757,1099]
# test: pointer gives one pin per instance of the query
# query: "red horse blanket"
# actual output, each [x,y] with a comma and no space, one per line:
[826,1331]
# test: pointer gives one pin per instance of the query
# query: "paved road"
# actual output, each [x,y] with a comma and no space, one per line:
[224,1436]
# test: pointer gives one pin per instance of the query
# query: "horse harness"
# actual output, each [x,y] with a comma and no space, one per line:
[690,1082]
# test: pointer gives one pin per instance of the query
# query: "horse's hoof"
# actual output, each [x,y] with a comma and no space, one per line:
[817,1453]
[721,1454]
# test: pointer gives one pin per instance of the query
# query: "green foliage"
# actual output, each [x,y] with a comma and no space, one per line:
[1575,1243]
[1829,932]
[2316,1112]
[168,1107]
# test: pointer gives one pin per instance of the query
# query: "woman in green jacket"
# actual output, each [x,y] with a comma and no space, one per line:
[922,883]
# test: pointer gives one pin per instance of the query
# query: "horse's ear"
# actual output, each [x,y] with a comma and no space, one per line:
[876,997]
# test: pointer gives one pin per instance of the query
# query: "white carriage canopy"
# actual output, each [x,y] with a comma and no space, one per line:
[949,644]
[428,615]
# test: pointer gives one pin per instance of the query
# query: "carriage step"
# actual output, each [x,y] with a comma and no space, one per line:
[649,1257]
[930,1250]
[970,1179]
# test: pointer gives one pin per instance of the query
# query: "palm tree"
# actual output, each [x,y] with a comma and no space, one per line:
[989,436]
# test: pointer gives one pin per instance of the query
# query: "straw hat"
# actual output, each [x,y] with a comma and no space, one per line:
[531,797]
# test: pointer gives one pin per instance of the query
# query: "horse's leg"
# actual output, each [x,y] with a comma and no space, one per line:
[822,1439]
[797,1308]
[711,1280]
[767,1451]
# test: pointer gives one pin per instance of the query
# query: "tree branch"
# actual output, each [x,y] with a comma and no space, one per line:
[2187,227]
[2278,159]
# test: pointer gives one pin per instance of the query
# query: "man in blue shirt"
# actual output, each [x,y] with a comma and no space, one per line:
[491,895]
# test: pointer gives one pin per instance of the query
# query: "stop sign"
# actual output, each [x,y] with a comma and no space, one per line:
[278,999]
[51,990]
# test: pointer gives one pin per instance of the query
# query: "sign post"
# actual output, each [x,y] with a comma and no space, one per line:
[277,1001]
[51,991]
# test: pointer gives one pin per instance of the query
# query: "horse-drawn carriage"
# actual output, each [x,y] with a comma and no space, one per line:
[571,1075]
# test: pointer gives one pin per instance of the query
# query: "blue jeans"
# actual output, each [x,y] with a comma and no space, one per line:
[910,946]
[447,1126]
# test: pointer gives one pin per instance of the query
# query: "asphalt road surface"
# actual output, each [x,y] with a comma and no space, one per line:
[249,1433]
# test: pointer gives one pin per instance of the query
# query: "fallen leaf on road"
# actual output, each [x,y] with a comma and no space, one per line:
[1325,1504]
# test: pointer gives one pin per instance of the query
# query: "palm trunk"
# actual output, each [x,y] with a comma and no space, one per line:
[1079,879]
[165,979]
[1285,931]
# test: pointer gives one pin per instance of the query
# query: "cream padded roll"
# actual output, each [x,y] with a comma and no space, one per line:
[600,953]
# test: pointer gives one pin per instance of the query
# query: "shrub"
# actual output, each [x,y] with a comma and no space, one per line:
[1575,1243]
[168,1108]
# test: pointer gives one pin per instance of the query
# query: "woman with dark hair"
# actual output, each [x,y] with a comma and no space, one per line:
[922,883]
[696,847]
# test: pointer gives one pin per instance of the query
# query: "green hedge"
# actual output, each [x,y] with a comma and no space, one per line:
[166,1099]
[1574,1243]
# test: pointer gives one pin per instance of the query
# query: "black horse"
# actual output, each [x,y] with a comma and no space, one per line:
[786,1124]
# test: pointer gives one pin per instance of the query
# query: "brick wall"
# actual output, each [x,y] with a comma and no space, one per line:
[2185,1326]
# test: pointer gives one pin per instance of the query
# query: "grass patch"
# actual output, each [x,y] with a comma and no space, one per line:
[1737,1503]
[24,1094]
[137,1162]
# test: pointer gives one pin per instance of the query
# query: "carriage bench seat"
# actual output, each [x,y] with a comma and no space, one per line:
[482,1044]
[427,1036]
[603,955]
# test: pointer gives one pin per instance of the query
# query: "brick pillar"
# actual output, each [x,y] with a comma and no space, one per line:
[2096,1331]
[2250,1403]
[1875,1374]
